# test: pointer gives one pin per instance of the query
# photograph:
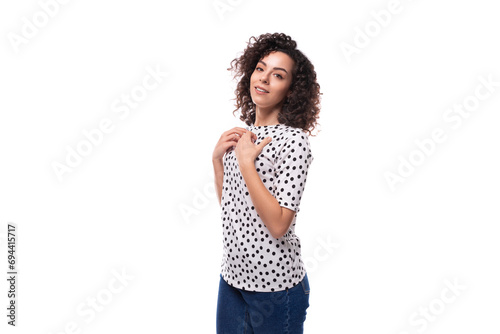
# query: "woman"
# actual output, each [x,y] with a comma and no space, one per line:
[260,175]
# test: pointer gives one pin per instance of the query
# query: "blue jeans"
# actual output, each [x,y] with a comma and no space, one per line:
[246,312]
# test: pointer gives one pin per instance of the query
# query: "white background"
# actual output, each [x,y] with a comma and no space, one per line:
[375,257]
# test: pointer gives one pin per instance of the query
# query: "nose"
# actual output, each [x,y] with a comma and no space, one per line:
[263,77]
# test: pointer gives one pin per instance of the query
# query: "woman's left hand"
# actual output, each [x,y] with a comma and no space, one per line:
[246,151]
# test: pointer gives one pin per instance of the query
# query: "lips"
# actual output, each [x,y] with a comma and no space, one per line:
[260,90]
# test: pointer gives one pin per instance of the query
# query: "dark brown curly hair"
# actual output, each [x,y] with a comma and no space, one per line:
[301,108]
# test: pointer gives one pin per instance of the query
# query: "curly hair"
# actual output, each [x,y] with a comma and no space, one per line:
[301,108]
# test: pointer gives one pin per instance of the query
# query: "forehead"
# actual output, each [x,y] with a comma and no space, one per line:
[279,59]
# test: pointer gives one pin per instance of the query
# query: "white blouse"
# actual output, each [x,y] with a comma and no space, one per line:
[253,260]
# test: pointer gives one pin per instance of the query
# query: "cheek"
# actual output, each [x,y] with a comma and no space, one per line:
[284,90]
[252,77]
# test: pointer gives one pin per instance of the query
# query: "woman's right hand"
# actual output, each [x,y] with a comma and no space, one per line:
[228,141]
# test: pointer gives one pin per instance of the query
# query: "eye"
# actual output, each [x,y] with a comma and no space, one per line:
[259,68]
[279,76]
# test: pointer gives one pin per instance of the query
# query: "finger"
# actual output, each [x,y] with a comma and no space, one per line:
[228,145]
[254,136]
[238,130]
[236,133]
[234,136]
[246,137]
[251,134]
[264,142]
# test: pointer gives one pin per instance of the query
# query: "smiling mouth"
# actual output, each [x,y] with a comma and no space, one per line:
[261,90]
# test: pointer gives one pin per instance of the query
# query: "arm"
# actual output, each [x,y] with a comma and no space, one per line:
[218,176]
[226,141]
[276,218]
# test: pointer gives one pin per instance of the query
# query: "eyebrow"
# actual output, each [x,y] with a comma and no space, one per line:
[276,68]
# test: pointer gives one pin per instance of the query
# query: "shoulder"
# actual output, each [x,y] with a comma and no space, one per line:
[295,136]
[295,145]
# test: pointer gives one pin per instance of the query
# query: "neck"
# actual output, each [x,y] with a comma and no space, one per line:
[266,116]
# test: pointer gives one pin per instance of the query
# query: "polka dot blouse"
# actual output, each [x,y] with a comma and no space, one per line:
[253,260]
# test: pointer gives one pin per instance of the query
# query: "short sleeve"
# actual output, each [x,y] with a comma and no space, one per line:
[291,169]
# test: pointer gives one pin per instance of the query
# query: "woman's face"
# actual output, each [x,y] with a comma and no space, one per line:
[271,79]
